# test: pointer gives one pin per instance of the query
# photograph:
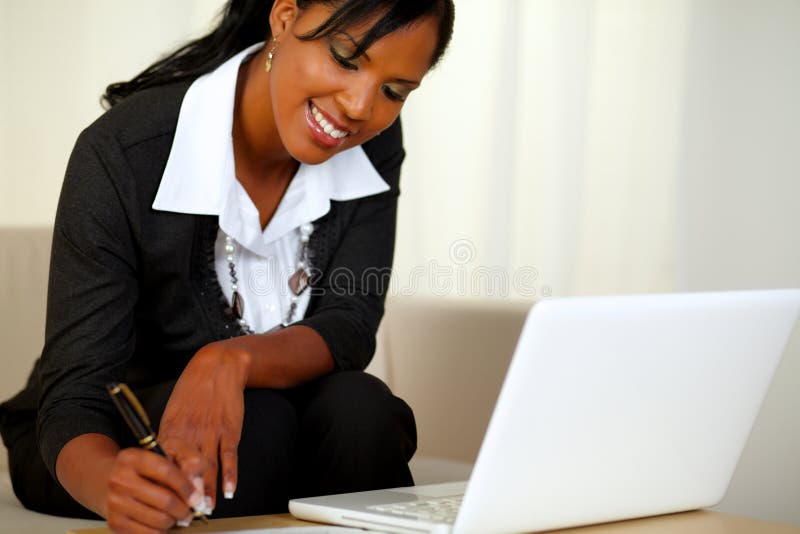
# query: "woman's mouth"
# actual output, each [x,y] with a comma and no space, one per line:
[323,129]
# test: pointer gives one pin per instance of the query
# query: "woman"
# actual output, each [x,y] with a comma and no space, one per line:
[221,244]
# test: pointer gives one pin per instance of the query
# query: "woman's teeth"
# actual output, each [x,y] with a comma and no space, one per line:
[326,126]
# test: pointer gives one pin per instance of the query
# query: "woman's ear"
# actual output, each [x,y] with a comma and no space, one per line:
[282,17]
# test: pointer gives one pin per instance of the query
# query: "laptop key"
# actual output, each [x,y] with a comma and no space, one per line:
[442,510]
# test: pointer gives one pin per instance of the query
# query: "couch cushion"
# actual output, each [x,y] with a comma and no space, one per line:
[447,358]
[24,265]
[15,518]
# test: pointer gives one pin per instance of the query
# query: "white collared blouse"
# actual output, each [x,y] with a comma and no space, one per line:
[200,179]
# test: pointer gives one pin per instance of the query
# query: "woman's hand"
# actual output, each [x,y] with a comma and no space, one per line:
[135,490]
[206,407]
[148,493]
[205,412]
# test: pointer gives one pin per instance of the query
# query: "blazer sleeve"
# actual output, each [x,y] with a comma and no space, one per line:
[92,292]
[350,294]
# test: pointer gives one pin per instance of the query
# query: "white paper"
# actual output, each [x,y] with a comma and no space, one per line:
[299,530]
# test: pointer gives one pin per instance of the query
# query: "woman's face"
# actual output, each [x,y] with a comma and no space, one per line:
[323,103]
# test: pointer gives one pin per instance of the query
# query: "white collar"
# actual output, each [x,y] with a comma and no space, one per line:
[200,175]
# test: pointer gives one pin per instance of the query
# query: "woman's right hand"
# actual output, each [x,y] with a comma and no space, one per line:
[133,489]
[148,493]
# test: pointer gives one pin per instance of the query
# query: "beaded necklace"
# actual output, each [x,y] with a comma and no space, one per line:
[298,282]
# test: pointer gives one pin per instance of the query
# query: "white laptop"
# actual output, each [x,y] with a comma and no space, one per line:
[612,408]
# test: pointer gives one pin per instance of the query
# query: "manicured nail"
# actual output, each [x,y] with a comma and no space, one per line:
[197,499]
[229,490]
[209,506]
[186,522]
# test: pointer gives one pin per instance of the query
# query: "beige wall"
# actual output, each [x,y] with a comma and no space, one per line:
[56,59]
[739,200]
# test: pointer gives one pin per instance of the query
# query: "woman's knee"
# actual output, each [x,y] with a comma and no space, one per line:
[356,435]
[268,417]
[357,405]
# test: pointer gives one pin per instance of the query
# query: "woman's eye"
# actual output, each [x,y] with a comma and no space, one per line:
[344,63]
[393,95]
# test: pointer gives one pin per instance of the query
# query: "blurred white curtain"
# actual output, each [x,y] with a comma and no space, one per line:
[548,138]
[563,146]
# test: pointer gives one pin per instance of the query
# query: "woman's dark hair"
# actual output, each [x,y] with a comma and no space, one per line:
[246,22]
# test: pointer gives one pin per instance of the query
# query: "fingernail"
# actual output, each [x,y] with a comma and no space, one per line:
[229,490]
[186,522]
[197,499]
[209,508]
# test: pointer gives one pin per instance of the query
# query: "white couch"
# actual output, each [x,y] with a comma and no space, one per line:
[446,358]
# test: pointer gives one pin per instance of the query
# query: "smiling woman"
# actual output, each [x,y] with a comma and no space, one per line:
[357,96]
[203,228]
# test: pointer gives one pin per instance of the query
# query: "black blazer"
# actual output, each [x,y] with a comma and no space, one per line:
[133,293]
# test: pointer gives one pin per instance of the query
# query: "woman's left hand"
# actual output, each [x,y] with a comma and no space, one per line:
[205,411]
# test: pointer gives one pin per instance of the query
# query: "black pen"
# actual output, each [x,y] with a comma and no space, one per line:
[137,420]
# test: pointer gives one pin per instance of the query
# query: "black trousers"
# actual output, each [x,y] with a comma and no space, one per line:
[343,432]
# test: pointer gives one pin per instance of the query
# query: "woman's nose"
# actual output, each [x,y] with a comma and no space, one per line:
[357,101]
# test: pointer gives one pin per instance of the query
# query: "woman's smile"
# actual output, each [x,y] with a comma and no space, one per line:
[324,128]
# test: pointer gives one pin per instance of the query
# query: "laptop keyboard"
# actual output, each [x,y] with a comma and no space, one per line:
[442,510]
